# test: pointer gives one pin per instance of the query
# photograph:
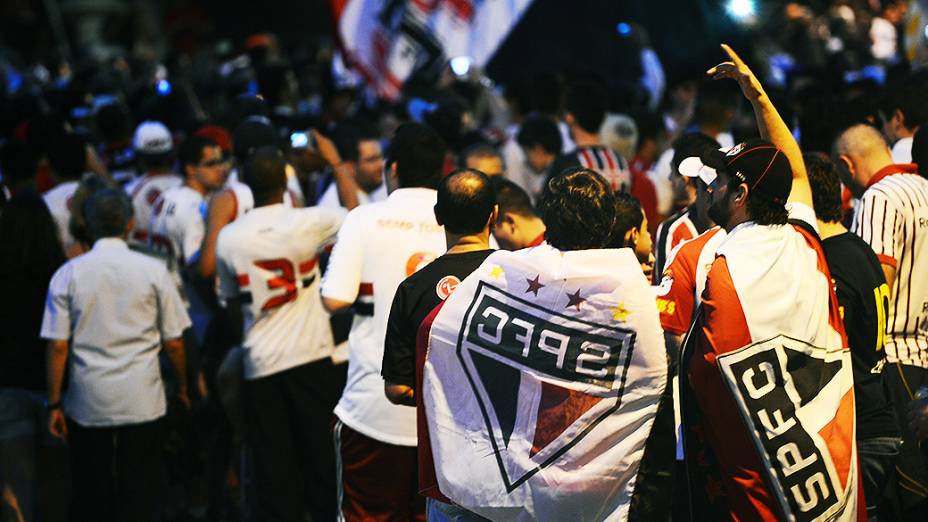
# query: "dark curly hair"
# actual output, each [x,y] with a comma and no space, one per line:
[578,208]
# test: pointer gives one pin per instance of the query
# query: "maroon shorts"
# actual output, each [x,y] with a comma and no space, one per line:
[377,480]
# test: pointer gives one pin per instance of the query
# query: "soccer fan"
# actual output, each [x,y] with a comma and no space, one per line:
[532,383]
[466,208]
[864,299]
[109,313]
[484,158]
[517,223]
[359,148]
[540,141]
[378,246]
[154,151]
[892,217]
[269,277]
[904,110]
[693,219]
[236,199]
[585,105]
[177,226]
[68,158]
[631,231]
[766,439]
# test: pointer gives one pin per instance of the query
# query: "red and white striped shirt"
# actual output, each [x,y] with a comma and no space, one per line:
[671,232]
[893,218]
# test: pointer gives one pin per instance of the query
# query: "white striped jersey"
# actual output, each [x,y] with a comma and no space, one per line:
[671,232]
[269,259]
[178,224]
[600,159]
[893,218]
[145,192]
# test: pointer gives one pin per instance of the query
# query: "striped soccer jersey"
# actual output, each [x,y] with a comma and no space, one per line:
[600,159]
[674,230]
[268,259]
[892,218]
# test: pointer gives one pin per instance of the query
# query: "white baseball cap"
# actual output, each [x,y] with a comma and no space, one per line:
[152,137]
[693,167]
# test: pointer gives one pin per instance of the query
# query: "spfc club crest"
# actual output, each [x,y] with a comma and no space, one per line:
[543,380]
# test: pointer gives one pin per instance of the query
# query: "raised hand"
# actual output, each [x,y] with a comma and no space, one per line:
[737,70]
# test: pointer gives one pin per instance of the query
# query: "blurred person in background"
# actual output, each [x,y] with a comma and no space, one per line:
[540,141]
[29,254]
[518,224]
[68,159]
[154,150]
[109,313]
[904,110]
[484,158]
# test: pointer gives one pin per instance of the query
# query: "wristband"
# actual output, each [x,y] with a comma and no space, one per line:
[54,406]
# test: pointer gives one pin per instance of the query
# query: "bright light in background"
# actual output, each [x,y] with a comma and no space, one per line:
[460,65]
[741,10]
[623,29]
[163,87]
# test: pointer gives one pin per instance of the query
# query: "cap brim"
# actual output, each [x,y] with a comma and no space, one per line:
[693,167]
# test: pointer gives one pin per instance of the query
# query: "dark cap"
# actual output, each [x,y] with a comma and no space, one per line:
[756,162]
[253,133]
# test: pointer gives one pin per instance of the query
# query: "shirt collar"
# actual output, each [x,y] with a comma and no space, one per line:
[106,243]
[889,170]
[538,240]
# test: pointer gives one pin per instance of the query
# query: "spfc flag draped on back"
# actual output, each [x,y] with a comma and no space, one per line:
[386,40]
[541,384]
[768,400]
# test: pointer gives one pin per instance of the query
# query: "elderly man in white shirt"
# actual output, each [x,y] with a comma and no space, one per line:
[108,314]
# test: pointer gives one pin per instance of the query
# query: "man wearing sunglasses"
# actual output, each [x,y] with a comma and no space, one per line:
[177,224]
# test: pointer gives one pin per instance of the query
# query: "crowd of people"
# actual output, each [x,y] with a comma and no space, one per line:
[228,300]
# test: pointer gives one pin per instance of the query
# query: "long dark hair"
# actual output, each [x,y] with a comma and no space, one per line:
[30,244]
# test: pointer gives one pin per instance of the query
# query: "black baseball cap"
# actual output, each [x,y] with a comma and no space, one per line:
[756,162]
[253,133]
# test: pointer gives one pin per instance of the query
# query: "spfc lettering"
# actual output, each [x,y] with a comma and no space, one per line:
[773,382]
[543,380]
[559,350]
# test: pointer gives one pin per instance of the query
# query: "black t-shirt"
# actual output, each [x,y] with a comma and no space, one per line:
[857,276]
[415,298]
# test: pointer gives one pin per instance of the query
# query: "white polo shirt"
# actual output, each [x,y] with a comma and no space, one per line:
[379,246]
[117,307]
[178,224]
[269,258]
[58,201]
[145,192]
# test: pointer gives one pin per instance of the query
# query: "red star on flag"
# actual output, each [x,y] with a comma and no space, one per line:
[575,300]
[533,285]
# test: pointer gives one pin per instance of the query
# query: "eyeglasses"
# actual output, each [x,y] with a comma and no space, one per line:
[216,162]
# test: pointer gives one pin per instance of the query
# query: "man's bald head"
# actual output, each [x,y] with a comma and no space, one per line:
[861,140]
[466,201]
[861,151]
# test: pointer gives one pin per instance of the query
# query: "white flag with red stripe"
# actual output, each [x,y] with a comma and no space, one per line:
[387,40]
[541,383]
[783,356]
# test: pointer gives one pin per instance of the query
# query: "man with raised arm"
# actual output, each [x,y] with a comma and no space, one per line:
[766,385]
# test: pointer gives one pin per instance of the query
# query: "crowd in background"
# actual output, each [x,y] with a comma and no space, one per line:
[188,109]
